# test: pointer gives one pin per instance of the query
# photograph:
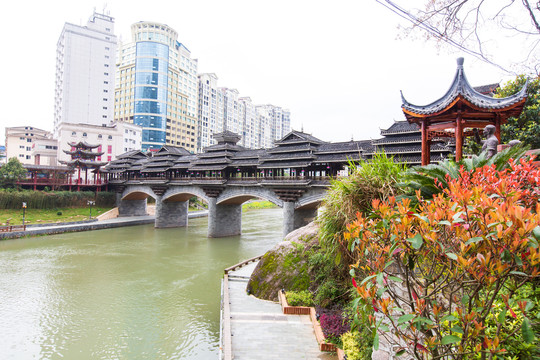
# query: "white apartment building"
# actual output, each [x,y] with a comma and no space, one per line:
[85,73]
[279,118]
[20,141]
[114,139]
[157,87]
[221,109]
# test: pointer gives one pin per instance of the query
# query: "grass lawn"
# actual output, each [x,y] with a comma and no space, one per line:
[258,204]
[37,216]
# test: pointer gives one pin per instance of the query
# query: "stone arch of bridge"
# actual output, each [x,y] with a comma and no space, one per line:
[181,194]
[138,193]
[309,202]
[237,196]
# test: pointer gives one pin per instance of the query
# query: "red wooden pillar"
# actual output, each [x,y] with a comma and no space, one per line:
[459,136]
[498,127]
[425,143]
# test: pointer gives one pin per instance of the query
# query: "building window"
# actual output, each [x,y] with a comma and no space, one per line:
[99,137]
[109,149]
[109,137]
[84,135]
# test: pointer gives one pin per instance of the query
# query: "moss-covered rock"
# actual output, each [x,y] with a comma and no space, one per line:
[285,266]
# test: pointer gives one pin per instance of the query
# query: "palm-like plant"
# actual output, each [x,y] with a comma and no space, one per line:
[433,178]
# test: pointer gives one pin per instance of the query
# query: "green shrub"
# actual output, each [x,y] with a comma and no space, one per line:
[357,345]
[376,179]
[299,298]
[59,213]
[11,199]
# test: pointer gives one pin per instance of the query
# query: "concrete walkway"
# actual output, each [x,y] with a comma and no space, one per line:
[260,330]
[48,229]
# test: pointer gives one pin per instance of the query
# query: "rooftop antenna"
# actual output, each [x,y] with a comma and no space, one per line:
[302,128]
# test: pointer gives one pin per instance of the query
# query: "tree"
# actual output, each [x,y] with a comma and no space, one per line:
[527,126]
[12,172]
[474,26]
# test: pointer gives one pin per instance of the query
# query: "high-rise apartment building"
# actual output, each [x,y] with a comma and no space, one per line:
[85,66]
[157,87]
[210,110]
[279,118]
[223,109]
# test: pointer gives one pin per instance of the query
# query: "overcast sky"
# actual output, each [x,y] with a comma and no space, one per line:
[337,65]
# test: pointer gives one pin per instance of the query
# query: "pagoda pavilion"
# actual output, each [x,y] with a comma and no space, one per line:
[83,158]
[459,111]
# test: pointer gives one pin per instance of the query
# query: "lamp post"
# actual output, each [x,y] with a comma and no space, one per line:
[23,212]
[90,203]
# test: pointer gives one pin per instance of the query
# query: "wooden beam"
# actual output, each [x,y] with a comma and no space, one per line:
[459,137]
[498,127]
[425,143]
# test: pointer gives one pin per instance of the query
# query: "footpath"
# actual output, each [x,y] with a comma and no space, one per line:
[49,229]
[257,329]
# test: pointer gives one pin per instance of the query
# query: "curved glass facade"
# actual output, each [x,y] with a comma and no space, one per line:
[151,82]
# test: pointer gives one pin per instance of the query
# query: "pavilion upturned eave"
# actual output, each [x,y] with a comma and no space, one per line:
[469,110]
[461,89]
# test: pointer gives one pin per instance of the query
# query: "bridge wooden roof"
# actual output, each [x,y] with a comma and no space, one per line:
[299,150]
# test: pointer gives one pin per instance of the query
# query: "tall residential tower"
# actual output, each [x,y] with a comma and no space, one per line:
[221,109]
[85,66]
[157,87]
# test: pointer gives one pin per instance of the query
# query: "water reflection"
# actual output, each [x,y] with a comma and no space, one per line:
[126,293]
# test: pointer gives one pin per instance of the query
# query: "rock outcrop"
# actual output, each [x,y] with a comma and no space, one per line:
[285,266]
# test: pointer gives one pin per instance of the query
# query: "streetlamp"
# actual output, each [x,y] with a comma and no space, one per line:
[90,203]
[23,212]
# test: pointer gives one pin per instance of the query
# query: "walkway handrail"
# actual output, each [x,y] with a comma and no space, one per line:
[227,337]
[242,264]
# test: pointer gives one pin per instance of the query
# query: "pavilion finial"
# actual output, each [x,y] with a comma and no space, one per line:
[460,61]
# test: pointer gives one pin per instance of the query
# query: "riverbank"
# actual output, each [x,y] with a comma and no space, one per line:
[94,224]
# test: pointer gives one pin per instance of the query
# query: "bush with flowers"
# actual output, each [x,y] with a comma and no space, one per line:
[446,277]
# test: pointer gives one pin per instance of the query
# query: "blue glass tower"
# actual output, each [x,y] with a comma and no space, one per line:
[151,82]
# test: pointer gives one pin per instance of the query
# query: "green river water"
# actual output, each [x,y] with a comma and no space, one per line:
[125,293]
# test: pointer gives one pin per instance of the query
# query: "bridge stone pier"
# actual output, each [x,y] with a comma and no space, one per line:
[224,204]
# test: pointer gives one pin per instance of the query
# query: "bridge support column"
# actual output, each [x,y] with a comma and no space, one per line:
[171,213]
[295,219]
[132,208]
[224,220]
[302,217]
[288,217]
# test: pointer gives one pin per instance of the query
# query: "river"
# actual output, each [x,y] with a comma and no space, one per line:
[124,293]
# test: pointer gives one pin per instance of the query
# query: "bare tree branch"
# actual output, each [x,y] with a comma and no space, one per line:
[469,25]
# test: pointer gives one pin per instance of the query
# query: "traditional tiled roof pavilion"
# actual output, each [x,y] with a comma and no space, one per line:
[461,108]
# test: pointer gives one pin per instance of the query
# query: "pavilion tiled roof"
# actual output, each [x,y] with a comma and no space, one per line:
[400,128]
[461,88]
[296,137]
